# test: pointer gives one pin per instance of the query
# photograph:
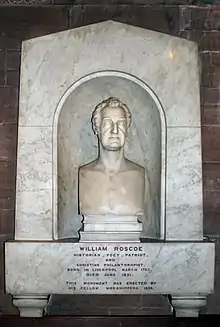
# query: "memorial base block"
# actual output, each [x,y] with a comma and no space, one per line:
[110,229]
[35,270]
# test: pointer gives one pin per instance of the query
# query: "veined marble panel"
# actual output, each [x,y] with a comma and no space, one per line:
[34,183]
[34,215]
[34,159]
[52,63]
[184,222]
[184,208]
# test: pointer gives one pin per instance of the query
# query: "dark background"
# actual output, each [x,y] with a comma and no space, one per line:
[193,20]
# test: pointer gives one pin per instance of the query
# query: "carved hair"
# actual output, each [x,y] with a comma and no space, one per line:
[112,103]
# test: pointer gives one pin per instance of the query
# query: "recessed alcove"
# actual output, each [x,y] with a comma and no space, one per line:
[74,144]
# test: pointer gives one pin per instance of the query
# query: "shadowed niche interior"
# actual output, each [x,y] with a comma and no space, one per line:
[75,144]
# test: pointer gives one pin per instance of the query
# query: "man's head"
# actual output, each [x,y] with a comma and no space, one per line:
[110,121]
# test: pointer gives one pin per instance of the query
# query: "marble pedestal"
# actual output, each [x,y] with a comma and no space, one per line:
[35,270]
[110,229]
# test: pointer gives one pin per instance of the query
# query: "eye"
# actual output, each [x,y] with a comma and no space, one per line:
[122,124]
[106,123]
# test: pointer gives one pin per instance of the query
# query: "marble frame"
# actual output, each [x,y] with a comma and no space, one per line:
[171,64]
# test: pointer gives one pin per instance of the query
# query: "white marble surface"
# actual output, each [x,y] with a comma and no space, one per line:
[106,223]
[30,306]
[34,183]
[111,237]
[62,268]
[132,227]
[51,64]
[188,306]
[34,159]
[34,215]
[184,204]
[110,228]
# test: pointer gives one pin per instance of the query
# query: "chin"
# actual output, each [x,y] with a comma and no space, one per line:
[112,147]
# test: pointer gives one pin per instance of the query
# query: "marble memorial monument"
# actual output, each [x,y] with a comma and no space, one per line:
[88,210]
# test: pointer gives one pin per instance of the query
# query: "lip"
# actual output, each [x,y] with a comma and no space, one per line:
[114,141]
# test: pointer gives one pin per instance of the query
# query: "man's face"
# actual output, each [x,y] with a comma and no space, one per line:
[113,128]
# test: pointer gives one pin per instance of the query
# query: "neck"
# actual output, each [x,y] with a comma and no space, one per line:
[113,161]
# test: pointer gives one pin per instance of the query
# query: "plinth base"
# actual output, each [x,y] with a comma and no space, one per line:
[35,270]
[110,229]
[110,236]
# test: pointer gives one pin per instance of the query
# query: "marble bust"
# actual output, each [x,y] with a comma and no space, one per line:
[111,184]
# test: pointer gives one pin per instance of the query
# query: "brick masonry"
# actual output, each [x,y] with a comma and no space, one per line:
[198,23]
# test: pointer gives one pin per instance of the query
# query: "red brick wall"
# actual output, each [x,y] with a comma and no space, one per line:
[16,24]
[199,23]
[202,24]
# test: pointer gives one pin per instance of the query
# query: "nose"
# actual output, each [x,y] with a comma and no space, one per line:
[115,128]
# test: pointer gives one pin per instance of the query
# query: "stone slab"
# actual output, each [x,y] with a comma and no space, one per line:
[112,227]
[107,236]
[111,224]
[109,268]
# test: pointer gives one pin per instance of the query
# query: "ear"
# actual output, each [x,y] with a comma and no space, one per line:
[128,129]
[94,130]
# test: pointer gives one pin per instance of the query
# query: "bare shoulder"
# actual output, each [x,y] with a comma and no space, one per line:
[132,166]
[89,167]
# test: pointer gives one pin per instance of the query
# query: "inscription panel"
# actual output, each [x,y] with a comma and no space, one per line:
[113,268]
[109,269]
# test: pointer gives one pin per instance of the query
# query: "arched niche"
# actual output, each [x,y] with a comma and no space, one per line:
[74,144]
